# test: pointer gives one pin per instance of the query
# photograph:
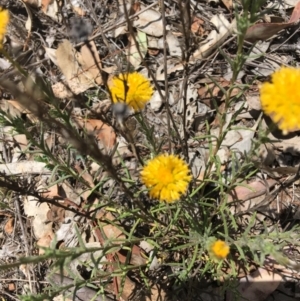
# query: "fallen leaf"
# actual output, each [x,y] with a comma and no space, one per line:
[215,38]
[153,52]
[211,90]
[44,242]
[62,298]
[77,293]
[150,21]
[50,192]
[291,145]
[295,14]
[263,31]
[133,55]
[103,132]
[251,190]
[40,224]
[21,141]
[91,61]
[173,66]
[66,59]
[197,26]
[11,286]
[78,10]
[51,53]
[174,45]
[45,4]
[111,232]
[35,3]
[81,69]
[9,226]
[56,214]
[28,24]
[228,4]
[50,8]
[67,234]
[257,286]
[24,167]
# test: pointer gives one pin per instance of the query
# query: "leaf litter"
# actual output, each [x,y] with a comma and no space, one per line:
[76,71]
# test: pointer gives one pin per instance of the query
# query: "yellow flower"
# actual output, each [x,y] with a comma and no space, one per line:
[167,177]
[4,19]
[131,88]
[217,249]
[280,99]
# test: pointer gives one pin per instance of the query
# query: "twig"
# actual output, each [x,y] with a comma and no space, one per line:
[28,253]
[166,98]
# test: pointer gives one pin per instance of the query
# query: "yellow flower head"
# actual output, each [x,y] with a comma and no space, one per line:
[4,19]
[217,249]
[131,88]
[167,177]
[280,99]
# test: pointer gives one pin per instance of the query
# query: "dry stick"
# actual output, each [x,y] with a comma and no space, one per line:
[166,98]
[9,295]
[28,253]
[186,25]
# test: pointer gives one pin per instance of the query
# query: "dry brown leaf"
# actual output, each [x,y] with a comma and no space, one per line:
[257,286]
[9,226]
[91,61]
[50,8]
[153,51]
[130,292]
[111,231]
[150,21]
[66,59]
[197,26]
[138,45]
[40,224]
[24,167]
[56,214]
[228,4]
[50,192]
[16,108]
[62,298]
[11,286]
[89,179]
[45,4]
[295,14]
[85,175]
[215,37]
[263,31]
[252,190]
[34,3]
[68,89]
[211,90]
[103,132]
[21,140]
[44,242]
[78,10]
[80,69]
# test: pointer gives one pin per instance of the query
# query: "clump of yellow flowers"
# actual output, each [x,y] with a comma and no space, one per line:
[217,249]
[133,89]
[280,99]
[4,19]
[167,177]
